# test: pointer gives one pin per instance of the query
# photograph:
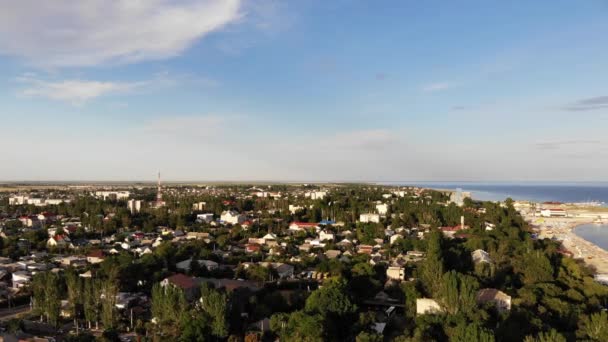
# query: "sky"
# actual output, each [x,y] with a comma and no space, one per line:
[311,90]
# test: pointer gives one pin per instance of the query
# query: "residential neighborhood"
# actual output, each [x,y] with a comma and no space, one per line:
[263,253]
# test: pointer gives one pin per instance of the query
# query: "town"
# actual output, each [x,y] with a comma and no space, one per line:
[293,262]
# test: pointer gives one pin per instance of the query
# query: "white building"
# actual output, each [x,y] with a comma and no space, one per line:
[395,272]
[427,306]
[554,212]
[199,206]
[134,206]
[382,208]
[232,217]
[17,200]
[325,236]
[316,194]
[365,218]
[294,208]
[112,194]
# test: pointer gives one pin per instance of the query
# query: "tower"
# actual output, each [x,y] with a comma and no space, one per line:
[159,194]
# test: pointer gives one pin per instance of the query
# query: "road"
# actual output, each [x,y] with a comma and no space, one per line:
[6,314]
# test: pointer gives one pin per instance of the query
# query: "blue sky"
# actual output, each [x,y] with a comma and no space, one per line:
[304,90]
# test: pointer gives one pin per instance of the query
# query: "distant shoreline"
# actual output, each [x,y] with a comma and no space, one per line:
[582,249]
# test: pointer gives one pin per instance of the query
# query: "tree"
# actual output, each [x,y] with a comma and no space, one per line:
[551,336]
[298,326]
[47,301]
[331,298]
[535,267]
[431,269]
[471,333]
[109,290]
[214,303]
[595,326]
[74,289]
[92,301]
[365,336]
[194,326]
[457,293]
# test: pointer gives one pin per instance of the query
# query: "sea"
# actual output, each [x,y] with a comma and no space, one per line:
[595,233]
[581,192]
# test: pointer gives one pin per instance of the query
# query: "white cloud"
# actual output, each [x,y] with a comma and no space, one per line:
[74,91]
[439,86]
[79,91]
[64,33]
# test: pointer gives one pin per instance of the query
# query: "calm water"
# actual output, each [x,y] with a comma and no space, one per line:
[596,233]
[560,192]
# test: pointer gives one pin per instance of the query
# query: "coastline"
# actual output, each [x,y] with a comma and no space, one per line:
[562,229]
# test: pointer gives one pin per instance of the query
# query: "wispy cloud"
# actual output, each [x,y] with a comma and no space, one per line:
[592,103]
[76,92]
[557,145]
[65,33]
[438,86]
[80,91]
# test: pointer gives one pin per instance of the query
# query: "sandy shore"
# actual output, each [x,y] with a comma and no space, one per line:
[563,229]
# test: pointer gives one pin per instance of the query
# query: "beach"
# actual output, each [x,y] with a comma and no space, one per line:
[562,229]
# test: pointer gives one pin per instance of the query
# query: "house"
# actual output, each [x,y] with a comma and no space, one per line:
[270,239]
[185,265]
[366,218]
[182,281]
[325,236]
[197,236]
[299,226]
[206,218]
[332,254]
[294,208]
[395,272]
[344,243]
[497,297]
[232,217]
[59,241]
[95,256]
[394,238]
[21,279]
[365,249]
[283,270]
[315,194]
[382,208]
[553,212]
[426,306]
[252,248]
[481,256]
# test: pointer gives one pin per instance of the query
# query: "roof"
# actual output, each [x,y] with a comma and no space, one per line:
[182,281]
[304,224]
[487,295]
[98,253]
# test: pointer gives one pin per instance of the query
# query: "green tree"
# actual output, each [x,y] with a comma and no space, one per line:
[457,293]
[331,298]
[594,326]
[471,333]
[214,303]
[431,269]
[551,336]
[109,290]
